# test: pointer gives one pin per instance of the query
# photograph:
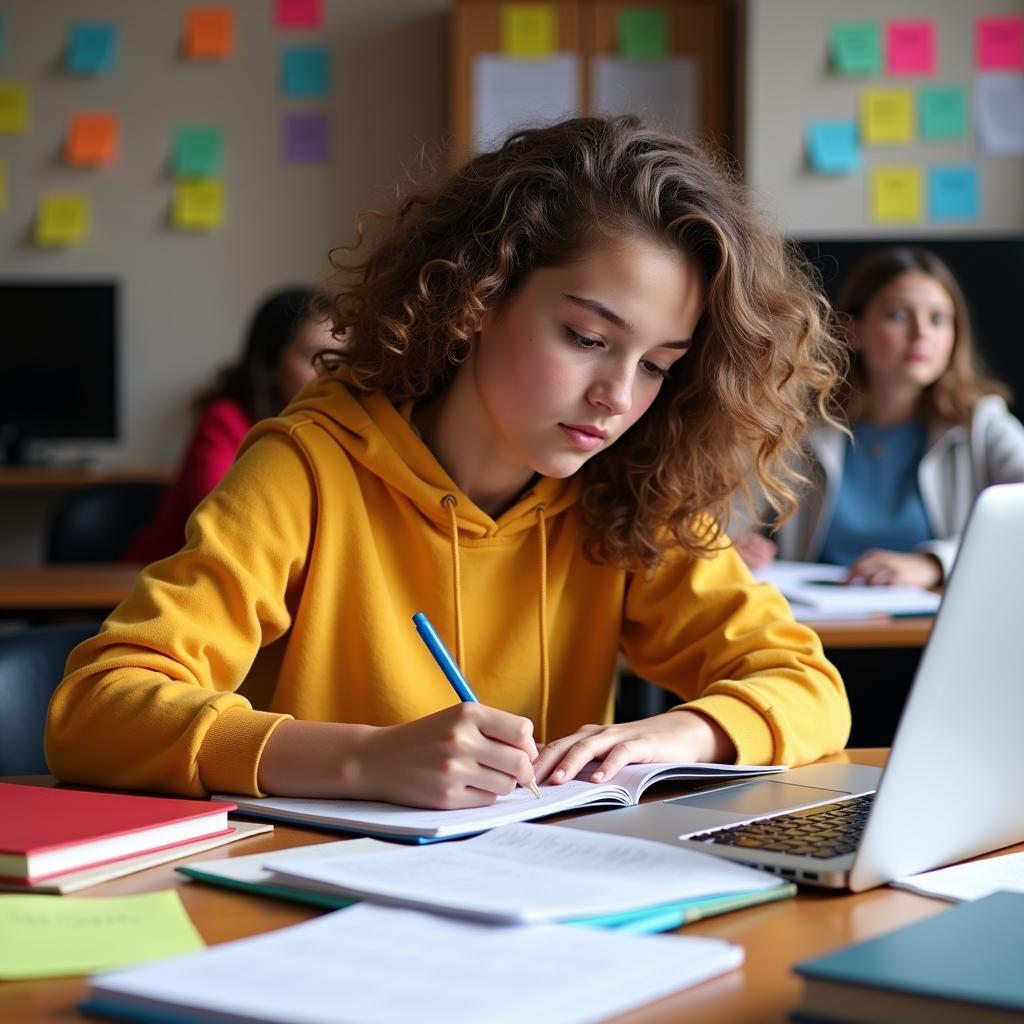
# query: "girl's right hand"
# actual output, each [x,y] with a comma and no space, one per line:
[755,550]
[464,756]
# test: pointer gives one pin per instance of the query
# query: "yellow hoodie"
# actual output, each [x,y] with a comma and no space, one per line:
[294,593]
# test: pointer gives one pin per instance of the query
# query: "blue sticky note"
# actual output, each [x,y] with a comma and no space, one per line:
[832,147]
[953,193]
[92,48]
[306,72]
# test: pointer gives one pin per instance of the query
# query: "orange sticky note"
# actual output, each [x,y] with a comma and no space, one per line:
[93,140]
[209,33]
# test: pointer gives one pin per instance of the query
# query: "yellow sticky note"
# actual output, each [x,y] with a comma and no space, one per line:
[14,108]
[887,116]
[528,30]
[896,194]
[54,936]
[198,205]
[63,218]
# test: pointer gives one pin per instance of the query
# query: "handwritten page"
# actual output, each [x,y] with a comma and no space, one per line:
[530,874]
[383,965]
[970,881]
[51,937]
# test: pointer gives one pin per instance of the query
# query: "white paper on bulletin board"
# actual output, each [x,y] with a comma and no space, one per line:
[662,91]
[509,94]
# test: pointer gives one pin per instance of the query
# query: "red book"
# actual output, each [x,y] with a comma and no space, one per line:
[46,832]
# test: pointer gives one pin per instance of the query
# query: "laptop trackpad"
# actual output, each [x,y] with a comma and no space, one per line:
[751,799]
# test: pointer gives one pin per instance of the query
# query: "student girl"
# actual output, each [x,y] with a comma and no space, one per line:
[564,359]
[928,432]
[276,362]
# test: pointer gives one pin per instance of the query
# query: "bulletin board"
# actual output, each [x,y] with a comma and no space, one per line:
[687,51]
[968,181]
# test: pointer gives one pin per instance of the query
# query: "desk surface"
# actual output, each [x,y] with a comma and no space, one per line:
[775,936]
[36,588]
[67,477]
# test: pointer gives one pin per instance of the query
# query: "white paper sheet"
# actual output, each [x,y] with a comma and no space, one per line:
[969,881]
[509,94]
[999,113]
[394,966]
[664,92]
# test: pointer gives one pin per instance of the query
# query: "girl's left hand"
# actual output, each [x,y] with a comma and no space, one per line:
[892,569]
[680,736]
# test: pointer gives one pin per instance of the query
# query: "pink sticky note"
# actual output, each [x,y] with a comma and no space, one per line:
[298,13]
[999,44]
[910,47]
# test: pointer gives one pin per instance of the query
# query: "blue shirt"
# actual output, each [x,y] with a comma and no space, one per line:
[879,502]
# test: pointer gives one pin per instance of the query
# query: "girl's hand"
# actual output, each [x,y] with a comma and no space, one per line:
[755,550]
[464,756]
[891,568]
[682,736]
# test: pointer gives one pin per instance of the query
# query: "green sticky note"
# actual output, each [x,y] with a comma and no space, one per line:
[943,112]
[56,936]
[644,33]
[197,153]
[856,49]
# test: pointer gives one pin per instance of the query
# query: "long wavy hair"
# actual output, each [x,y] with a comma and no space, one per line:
[764,358]
[953,396]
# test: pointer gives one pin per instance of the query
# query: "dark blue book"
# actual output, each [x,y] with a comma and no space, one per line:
[965,964]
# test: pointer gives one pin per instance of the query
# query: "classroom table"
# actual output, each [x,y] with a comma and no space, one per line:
[27,590]
[775,935]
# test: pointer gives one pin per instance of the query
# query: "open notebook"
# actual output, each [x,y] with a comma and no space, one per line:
[413,824]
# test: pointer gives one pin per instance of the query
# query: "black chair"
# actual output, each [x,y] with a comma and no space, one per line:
[31,666]
[96,524]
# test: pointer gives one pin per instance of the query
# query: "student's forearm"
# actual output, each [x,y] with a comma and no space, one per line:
[318,759]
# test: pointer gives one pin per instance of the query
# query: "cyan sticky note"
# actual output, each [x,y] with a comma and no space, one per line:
[198,152]
[953,193]
[306,72]
[832,147]
[943,112]
[856,49]
[92,48]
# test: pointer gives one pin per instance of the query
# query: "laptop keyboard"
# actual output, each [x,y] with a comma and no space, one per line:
[830,830]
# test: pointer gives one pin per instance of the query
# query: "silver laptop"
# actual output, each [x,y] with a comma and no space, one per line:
[953,786]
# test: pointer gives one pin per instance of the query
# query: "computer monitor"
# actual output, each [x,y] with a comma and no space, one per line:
[58,362]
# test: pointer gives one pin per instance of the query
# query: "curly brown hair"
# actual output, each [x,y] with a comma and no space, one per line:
[953,396]
[763,361]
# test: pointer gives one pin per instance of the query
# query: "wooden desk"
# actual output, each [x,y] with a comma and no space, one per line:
[26,590]
[877,632]
[775,936]
[68,477]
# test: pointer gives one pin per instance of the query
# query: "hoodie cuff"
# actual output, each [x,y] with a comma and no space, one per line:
[745,726]
[229,757]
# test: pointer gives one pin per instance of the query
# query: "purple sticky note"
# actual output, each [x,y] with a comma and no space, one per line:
[306,139]
[999,43]
[910,47]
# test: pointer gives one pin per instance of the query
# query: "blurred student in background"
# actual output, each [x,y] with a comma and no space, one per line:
[929,431]
[276,362]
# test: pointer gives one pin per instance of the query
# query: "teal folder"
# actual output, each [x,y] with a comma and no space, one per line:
[962,964]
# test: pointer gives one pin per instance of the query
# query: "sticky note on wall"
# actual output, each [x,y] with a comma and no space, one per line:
[999,43]
[644,33]
[15,111]
[832,147]
[198,205]
[943,112]
[301,14]
[62,219]
[305,139]
[93,140]
[910,47]
[856,48]
[306,72]
[953,193]
[895,194]
[198,152]
[92,48]
[209,33]
[528,30]
[886,116]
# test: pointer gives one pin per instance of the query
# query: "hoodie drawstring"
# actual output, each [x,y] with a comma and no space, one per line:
[450,501]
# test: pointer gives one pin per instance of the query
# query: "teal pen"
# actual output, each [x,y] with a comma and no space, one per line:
[450,668]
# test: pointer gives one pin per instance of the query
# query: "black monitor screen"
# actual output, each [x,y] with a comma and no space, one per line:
[58,374]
